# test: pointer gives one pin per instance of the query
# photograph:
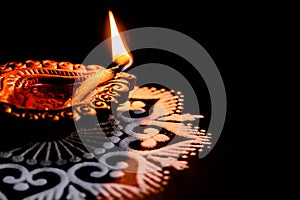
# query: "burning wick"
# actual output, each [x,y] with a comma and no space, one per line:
[121,62]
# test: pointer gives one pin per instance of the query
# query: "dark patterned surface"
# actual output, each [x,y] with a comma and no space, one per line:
[129,156]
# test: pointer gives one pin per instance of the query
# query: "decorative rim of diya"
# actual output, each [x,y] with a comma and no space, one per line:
[39,90]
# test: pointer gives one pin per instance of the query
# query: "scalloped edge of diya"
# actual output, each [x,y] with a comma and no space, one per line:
[18,77]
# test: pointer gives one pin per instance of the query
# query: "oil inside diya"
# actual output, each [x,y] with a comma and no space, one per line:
[36,97]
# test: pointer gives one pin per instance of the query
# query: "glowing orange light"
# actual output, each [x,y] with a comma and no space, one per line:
[120,53]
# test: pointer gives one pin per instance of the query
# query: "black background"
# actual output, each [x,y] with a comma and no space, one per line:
[69,31]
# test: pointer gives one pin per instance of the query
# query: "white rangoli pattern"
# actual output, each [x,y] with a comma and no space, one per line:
[128,156]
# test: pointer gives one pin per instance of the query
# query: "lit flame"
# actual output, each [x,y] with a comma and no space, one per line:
[120,54]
